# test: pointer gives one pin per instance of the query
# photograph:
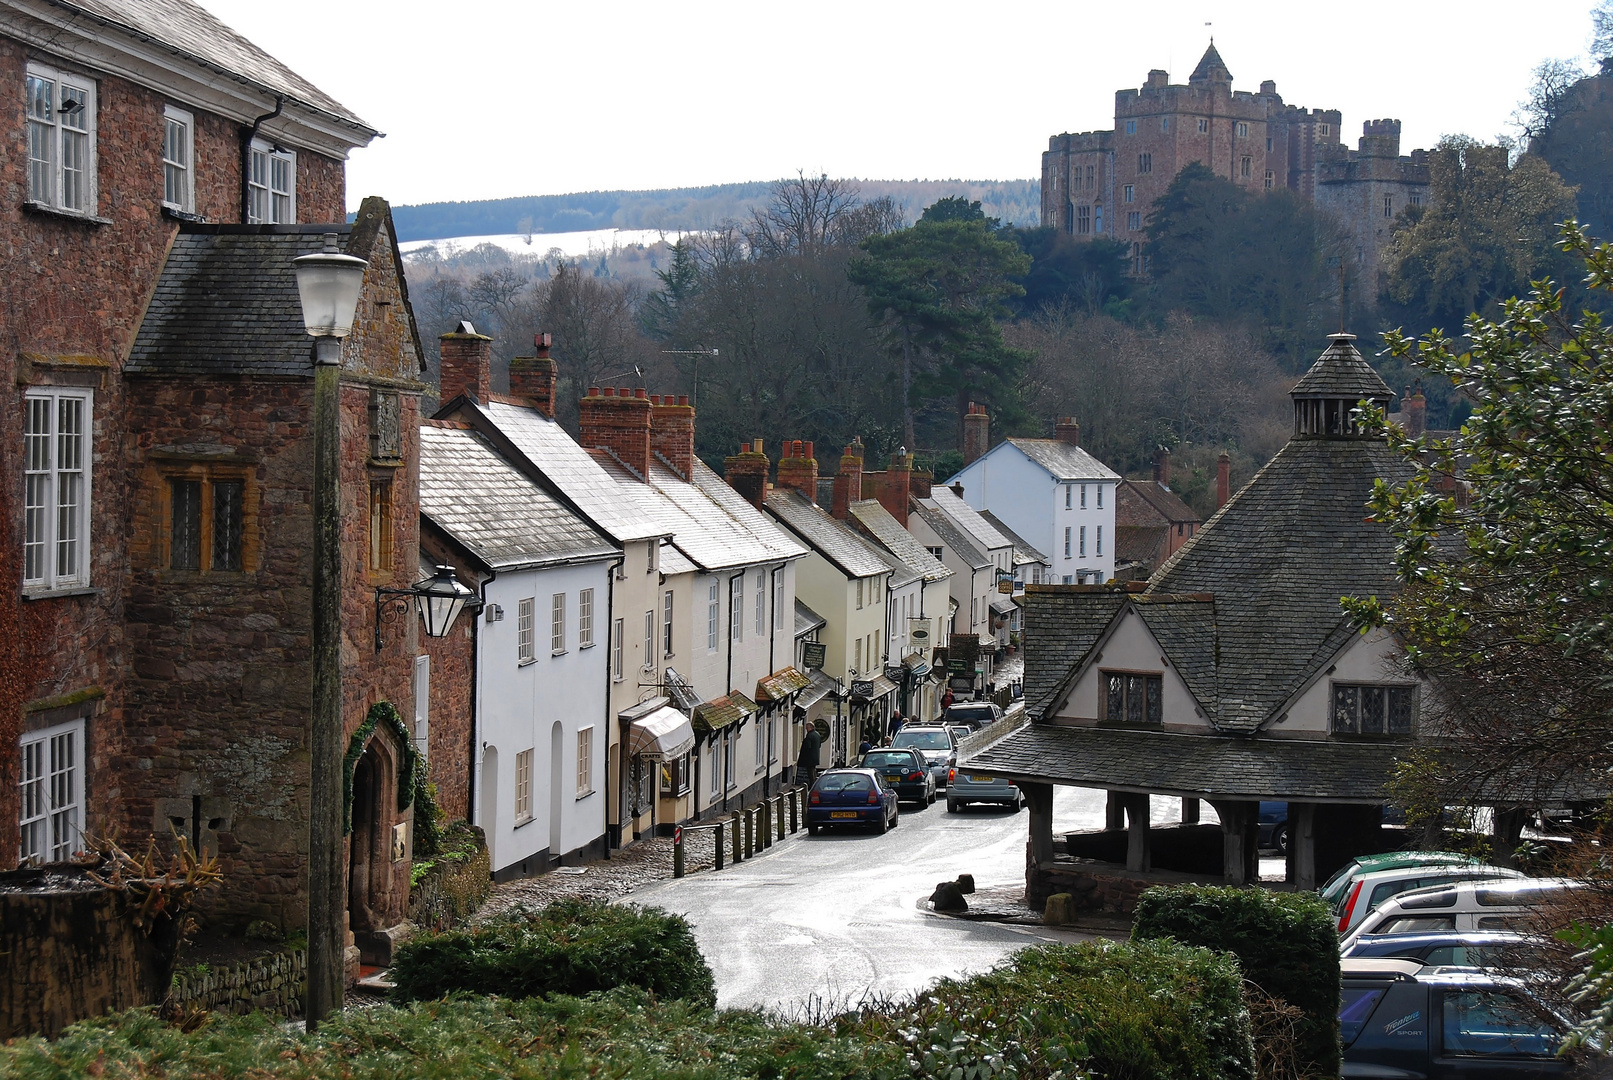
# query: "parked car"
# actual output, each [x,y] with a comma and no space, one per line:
[938,745]
[1508,904]
[851,797]
[1398,1018]
[1274,826]
[1342,879]
[1449,948]
[977,714]
[964,787]
[905,770]
[1370,891]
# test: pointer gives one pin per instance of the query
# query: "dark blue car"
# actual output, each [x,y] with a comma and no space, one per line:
[905,770]
[851,797]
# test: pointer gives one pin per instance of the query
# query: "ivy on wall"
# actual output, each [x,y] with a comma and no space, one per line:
[413,790]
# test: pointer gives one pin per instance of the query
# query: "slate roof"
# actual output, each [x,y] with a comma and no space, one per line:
[1166,763]
[1062,460]
[951,535]
[495,511]
[834,540]
[1141,544]
[982,532]
[807,620]
[190,30]
[1148,502]
[226,304]
[1341,371]
[1024,553]
[1211,61]
[1062,623]
[871,518]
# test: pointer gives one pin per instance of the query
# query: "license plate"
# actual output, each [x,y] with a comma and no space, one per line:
[842,813]
[893,779]
[982,779]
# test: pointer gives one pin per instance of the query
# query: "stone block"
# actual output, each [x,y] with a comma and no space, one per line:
[1060,910]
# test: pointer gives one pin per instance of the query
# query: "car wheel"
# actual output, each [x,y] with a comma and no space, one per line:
[1279,838]
[896,819]
[884,823]
[812,830]
[931,801]
[952,806]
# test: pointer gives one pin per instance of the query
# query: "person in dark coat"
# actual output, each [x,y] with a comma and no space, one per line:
[896,724]
[806,765]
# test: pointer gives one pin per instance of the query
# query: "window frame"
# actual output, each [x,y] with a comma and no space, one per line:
[523,786]
[1404,696]
[585,618]
[675,776]
[45,785]
[585,761]
[759,616]
[270,153]
[778,599]
[526,643]
[713,616]
[618,645]
[557,624]
[51,520]
[649,640]
[667,624]
[61,80]
[1067,541]
[186,203]
[736,608]
[1153,701]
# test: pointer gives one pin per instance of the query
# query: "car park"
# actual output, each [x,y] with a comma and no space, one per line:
[1399,1018]
[1345,876]
[851,797]
[976,714]
[1509,904]
[1450,948]
[965,787]
[905,770]
[1371,891]
[938,745]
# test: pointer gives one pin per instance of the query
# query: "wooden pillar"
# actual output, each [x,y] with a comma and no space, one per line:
[1040,799]
[1114,812]
[1190,811]
[1504,834]
[1302,846]
[1138,856]
[1237,847]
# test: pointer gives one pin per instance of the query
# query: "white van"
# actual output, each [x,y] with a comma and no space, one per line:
[1463,905]
[1369,892]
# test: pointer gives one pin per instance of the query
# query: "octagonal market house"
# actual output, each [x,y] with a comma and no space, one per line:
[1232,676]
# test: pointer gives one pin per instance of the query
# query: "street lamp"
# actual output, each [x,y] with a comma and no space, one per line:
[328,284]
[439,599]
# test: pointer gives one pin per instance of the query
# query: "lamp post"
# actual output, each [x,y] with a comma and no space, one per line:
[439,599]
[328,285]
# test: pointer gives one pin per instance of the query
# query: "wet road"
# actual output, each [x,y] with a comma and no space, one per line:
[837,915]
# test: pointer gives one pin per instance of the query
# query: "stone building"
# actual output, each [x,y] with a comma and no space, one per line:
[1366,189]
[1104,183]
[157,448]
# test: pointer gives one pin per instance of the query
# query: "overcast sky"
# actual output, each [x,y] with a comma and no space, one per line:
[489,98]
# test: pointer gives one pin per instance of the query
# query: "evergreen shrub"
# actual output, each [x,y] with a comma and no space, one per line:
[1286,943]
[569,947]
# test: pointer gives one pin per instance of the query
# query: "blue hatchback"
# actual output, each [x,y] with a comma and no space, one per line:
[851,797]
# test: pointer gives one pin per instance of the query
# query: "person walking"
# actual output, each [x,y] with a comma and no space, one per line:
[806,765]
[947,700]
[896,724]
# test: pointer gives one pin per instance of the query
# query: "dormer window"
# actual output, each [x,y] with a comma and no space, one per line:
[1373,710]
[1133,697]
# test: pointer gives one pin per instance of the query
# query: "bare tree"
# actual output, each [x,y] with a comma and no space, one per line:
[803,216]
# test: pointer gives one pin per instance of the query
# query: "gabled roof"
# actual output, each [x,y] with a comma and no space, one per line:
[872,519]
[493,510]
[807,620]
[1141,544]
[982,532]
[1148,502]
[836,541]
[1341,371]
[1062,623]
[1062,460]
[951,535]
[1024,553]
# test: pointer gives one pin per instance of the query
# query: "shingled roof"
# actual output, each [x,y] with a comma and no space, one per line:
[871,518]
[836,541]
[1342,371]
[1148,502]
[1062,623]
[1062,460]
[1024,553]
[951,535]
[1210,65]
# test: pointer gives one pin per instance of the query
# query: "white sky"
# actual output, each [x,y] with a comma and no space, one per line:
[490,98]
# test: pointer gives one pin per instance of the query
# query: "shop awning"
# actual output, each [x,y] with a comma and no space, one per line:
[917,665]
[664,734]
[1004,606]
[880,687]
[780,685]
[819,686]
[721,712]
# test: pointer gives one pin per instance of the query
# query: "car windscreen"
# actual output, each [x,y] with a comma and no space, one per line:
[1355,1008]
[844,782]
[888,759]
[924,740]
[969,712]
[1415,924]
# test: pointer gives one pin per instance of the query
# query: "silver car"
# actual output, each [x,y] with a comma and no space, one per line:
[964,787]
[938,745]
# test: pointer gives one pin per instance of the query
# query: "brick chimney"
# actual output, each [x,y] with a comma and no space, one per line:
[920,481]
[672,432]
[798,469]
[848,487]
[532,378]
[746,472]
[898,485]
[1066,430]
[1223,479]
[1162,467]
[467,365]
[617,420]
[1416,409]
[976,433]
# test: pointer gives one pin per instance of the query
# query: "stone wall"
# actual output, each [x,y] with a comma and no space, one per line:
[1097,886]
[276,983]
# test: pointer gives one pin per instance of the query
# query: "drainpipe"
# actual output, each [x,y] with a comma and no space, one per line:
[475,800]
[246,156]
[610,629]
[728,680]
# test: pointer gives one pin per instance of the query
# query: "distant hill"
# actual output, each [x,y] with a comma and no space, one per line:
[1016,202]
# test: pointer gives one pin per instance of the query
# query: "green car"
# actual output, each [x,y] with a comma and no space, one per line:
[1388,860]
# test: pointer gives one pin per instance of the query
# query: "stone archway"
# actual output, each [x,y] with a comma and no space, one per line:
[377,871]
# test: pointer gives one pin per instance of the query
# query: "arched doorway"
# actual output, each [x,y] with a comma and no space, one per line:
[375,901]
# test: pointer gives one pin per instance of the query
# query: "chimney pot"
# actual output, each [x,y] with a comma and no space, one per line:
[641,393]
[593,391]
[624,391]
[683,399]
[807,449]
[542,342]
[610,391]
[848,482]
[1223,479]
[618,422]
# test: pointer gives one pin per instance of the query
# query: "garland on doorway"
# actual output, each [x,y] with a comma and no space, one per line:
[413,790]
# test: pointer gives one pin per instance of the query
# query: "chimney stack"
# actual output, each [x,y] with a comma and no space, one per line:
[976,433]
[617,420]
[672,432]
[1416,410]
[1223,479]
[897,485]
[920,481]
[746,472]
[532,378]
[798,469]
[467,365]
[848,486]
[1066,430]
[1162,467]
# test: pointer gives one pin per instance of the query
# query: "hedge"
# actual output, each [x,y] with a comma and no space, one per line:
[1286,943]
[569,947]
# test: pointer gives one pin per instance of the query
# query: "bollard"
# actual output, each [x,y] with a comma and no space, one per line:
[764,826]
[677,851]
[750,816]
[717,847]
[778,818]
[737,856]
[795,823]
